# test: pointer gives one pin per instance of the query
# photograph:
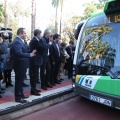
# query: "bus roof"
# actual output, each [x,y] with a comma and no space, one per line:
[110,7]
[107,3]
[97,13]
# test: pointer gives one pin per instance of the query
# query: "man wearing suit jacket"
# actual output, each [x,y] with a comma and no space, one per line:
[55,59]
[45,68]
[20,63]
[69,65]
[36,61]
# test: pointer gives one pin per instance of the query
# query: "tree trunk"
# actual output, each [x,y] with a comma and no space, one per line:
[61,17]
[33,17]
[56,20]
[5,15]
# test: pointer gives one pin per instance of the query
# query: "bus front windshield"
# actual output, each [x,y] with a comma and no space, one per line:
[101,42]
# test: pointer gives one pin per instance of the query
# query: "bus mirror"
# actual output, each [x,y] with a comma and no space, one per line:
[77,30]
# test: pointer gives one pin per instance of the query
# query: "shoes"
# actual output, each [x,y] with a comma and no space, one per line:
[61,79]
[2,88]
[53,84]
[10,84]
[25,85]
[7,85]
[44,88]
[21,101]
[38,90]
[38,81]
[1,92]
[49,85]
[3,81]
[57,82]
[35,93]
[25,96]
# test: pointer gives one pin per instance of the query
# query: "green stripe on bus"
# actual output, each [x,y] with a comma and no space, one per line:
[107,85]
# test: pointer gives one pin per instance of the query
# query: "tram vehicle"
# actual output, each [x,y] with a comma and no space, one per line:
[97,56]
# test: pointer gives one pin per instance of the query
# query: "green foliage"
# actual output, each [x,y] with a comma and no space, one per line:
[102,1]
[52,28]
[89,9]
[56,3]
[1,13]
[69,26]
[16,10]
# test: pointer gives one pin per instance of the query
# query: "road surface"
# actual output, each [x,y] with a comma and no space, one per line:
[75,109]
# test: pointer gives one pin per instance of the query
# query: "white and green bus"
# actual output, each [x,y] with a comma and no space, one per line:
[97,56]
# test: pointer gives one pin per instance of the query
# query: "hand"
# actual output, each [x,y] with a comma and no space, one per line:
[8,60]
[50,43]
[33,53]
[53,63]
[1,40]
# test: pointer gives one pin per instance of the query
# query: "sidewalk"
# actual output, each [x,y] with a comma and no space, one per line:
[7,100]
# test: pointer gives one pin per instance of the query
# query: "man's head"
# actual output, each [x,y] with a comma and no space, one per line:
[51,38]
[71,43]
[21,32]
[47,33]
[56,37]
[5,36]
[37,33]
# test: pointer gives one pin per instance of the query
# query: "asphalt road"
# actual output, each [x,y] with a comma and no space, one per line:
[75,109]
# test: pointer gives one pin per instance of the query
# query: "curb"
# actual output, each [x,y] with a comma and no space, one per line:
[36,105]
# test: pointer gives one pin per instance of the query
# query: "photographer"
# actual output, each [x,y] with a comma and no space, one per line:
[8,70]
[3,49]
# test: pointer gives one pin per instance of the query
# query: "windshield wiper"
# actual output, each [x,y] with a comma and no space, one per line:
[95,68]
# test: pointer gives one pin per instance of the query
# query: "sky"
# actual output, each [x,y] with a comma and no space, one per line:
[45,11]
[70,8]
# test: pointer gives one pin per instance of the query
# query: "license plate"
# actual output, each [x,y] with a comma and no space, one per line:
[100,100]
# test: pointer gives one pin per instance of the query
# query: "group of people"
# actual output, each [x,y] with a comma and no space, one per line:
[47,57]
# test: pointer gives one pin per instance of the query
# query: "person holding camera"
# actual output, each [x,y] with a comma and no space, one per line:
[8,70]
[3,49]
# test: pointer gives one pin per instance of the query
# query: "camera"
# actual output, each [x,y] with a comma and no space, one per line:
[5,33]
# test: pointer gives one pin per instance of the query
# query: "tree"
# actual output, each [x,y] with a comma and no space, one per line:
[61,16]
[55,4]
[15,10]
[69,26]
[1,13]
[89,8]
[5,14]
[92,7]
[102,1]
[33,16]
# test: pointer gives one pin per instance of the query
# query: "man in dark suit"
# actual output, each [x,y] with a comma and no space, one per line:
[55,59]
[45,68]
[69,65]
[20,63]
[36,61]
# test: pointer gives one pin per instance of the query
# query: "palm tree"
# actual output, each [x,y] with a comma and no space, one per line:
[61,16]
[33,17]
[56,4]
[5,14]
[1,13]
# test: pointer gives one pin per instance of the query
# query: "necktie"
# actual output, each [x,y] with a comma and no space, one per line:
[58,49]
